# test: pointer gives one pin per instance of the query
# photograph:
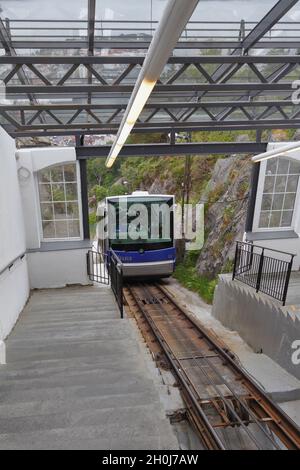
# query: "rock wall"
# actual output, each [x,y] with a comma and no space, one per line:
[227,194]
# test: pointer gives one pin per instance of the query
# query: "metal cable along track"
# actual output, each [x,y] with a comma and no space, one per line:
[227,408]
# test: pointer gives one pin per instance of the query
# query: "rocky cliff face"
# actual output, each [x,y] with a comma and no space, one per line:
[227,195]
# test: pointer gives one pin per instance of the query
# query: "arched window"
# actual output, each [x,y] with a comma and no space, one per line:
[279,193]
[59,202]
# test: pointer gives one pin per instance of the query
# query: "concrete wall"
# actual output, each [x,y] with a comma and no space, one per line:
[14,283]
[49,269]
[262,323]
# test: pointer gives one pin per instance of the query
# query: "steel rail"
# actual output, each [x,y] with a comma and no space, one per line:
[211,435]
[225,400]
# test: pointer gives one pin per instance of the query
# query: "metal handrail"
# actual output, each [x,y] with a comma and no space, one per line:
[11,263]
[266,248]
[264,273]
[116,279]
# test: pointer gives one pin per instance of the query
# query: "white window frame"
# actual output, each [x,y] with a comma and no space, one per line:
[258,203]
[78,180]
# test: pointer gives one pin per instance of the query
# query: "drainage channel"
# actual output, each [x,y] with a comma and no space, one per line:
[225,406]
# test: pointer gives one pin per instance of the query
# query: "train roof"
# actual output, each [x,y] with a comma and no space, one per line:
[142,194]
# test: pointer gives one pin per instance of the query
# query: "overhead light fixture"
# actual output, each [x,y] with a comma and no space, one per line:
[175,17]
[285,150]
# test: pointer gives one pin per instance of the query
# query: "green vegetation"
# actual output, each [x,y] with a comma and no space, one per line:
[188,277]
[186,274]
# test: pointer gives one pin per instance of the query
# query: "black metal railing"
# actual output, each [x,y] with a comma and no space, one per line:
[116,279]
[107,268]
[264,269]
[97,267]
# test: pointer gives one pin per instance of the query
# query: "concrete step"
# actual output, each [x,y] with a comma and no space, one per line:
[68,367]
[108,420]
[81,378]
[71,349]
[93,438]
[128,385]
[111,401]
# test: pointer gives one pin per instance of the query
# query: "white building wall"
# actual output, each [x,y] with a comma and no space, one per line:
[55,263]
[14,282]
[283,243]
[57,268]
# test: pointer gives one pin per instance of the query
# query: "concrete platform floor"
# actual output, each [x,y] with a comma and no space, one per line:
[76,378]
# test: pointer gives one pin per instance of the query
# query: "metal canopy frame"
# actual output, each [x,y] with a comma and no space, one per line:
[242,85]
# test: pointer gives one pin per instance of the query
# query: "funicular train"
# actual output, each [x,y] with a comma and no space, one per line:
[150,253]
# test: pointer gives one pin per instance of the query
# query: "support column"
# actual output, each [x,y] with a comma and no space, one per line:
[84,199]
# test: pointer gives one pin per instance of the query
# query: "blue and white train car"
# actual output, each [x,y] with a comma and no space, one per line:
[152,254]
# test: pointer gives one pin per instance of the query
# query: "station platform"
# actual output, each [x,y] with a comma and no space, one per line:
[76,378]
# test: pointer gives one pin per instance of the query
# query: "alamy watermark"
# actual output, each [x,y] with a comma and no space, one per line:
[296,354]
[151,222]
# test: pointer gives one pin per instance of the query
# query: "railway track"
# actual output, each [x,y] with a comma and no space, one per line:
[226,407]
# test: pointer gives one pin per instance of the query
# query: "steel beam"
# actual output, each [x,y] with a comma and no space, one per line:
[114,44]
[78,89]
[177,149]
[222,126]
[205,59]
[150,105]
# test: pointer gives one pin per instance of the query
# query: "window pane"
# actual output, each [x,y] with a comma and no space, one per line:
[271,166]
[277,202]
[266,202]
[280,184]
[59,201]
[292,184]
[45,192]
[264,220]
[49,229]
[72,210]
[286,218]
[58,192]
[70,172]
[61,229]
[74,230]
[289,201]
[269,184]
[283,166]
[60,210]
[57,174]
[71,191]
[294,167]
[47,211]
[44,176]
[275,219]
[279,195]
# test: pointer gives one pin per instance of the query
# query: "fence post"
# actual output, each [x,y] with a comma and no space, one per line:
[88,268]
[287,280]
[121,292]
[261,262]
[235,260]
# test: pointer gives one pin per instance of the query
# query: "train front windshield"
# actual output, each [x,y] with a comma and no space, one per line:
[141,223]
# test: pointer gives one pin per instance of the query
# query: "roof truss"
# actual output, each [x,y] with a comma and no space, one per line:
[87,93]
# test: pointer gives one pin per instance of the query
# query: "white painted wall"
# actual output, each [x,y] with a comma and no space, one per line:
[53,268]
[57,268]
[14,283]
[31,161]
